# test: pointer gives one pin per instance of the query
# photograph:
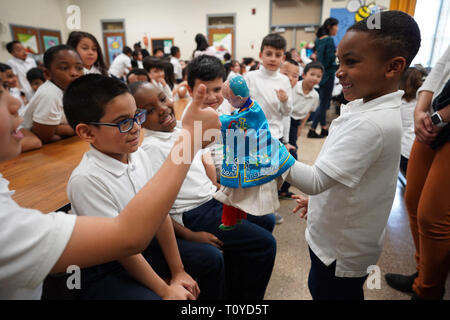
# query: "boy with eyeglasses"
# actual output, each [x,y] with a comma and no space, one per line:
[103,112]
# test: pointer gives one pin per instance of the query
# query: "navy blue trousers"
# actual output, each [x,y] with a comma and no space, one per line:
[249,249]
[324,285]
[325,92]
[110,281]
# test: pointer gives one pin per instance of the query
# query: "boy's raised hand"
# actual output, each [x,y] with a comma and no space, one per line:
[206,118]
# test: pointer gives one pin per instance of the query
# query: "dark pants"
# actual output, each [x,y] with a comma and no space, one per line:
[249,249]
[110,281]
[292,141]
[325,92]
[324,285]
[403,163]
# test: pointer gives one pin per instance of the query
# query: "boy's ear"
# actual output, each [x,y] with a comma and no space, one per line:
[395,67]
[47,74]
[85,133]
[260,55]
[190,90]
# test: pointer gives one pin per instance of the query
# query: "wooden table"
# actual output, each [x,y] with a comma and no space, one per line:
[40,177]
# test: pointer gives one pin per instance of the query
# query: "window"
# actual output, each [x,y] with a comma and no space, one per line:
[433,18]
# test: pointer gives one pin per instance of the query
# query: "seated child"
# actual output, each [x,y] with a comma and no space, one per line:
[354,178]
[196,214]
[44,115]
[35,244]
[104,113]
[89,50]
[21,63]
[121,64]
[252,168]
[136,75]
[36,78]
[305,100]
[29,140]
[155,68]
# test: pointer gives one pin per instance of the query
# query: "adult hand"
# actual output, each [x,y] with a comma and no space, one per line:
[290,147]
[423,127]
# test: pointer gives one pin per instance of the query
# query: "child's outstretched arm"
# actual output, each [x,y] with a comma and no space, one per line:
[98,240]
[309,179]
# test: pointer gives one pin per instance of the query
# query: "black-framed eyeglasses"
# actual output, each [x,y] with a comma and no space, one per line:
[127,124]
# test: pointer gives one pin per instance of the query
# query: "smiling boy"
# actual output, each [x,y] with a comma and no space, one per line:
[353,180]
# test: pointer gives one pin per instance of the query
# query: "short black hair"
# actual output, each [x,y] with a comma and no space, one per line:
[174,50]
[205,68]
[35,74]
[10,45]
[127,50]
[313,65]
[226,56]
[155,50]
[4,67]
[274,40]
[139,72]
[292,61]
[85,98]
[135,86]
[152,63]
[397,35]
[49,55]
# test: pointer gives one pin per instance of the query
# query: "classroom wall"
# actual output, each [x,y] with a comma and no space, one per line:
[179,19]
[48,14]
[328,4]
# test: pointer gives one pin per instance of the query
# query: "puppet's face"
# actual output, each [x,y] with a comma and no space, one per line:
[235,91]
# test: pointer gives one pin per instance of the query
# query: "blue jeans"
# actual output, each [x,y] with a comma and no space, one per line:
[324,285]
[110,281]
[325,92]
[249,249]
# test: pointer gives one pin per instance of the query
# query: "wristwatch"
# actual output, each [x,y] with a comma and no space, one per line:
[436,119]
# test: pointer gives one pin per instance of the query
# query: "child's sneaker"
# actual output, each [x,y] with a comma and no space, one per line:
[278,219]
[313,134]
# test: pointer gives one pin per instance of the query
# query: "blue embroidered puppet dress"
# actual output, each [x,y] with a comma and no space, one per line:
[254,164]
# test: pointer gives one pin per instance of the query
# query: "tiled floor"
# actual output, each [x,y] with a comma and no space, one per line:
[290,274]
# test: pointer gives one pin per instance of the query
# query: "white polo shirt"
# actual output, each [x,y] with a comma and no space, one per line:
[31,243]
[46,107]
[177,70]
[102,186]
[303,103]
[120,65]
[92,70]
[20,68]
[262,84]
[362,152]
[197,188]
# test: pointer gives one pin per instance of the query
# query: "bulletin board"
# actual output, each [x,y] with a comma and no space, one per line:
[36,41]
[164,43]
[345,18]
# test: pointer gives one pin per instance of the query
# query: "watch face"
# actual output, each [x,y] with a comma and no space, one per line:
[435,119]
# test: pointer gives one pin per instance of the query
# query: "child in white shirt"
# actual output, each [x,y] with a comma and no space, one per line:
[89,50]
[121,64]
[354,178]
[21,63]
[305,100]
[44,115]
[35,244]
[155,69]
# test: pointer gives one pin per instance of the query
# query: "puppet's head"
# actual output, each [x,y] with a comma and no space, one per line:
[236,91]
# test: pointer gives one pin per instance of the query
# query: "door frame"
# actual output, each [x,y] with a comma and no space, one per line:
[231,26]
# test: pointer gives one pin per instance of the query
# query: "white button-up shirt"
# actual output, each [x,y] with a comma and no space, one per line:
[20,68]
[31,243]
[347,222]
[102,186]
[196,189]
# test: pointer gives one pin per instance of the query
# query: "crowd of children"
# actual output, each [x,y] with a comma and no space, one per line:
[178,250]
